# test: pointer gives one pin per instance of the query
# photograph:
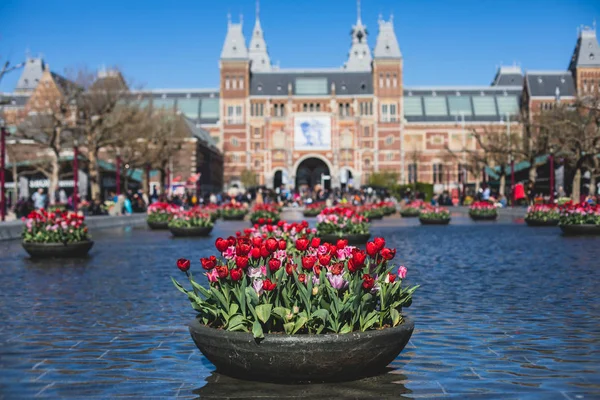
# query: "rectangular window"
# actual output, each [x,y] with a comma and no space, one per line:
[227,84]
[366,131]
[412,173]
[388,113]
[484,105]
[305,107]
[166,104]
[257,132]
[507,105]
[389,156]
[209,108]
[413,106]
[311,85]
[435,106]
[234,83]
[460,105]
[241,83]
[438,173]
[380,80]
[189,107]
[462,173]
[318,107]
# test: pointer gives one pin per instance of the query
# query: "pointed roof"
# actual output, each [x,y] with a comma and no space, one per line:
[359,58]
[31,75]
[387,43]
[234,47]
[510,75]
[259,56]
[587,50]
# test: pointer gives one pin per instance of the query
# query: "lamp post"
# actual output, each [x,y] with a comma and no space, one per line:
[552,175]
[118,173]
[2,177]
[75,176]
[464,156]
[512,162]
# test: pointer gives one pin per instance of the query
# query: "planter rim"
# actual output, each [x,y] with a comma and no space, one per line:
[56,244]
[307,338]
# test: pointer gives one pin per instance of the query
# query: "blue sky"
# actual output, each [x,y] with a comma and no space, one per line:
[176,44]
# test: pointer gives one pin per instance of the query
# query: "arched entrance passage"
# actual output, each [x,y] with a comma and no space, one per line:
[346,178]
[313,171]
[278,179]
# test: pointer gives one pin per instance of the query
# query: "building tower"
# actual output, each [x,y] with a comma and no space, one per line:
[387,87]
[31,75]
[258,54]
[359,58]
[585,62]
[234,91]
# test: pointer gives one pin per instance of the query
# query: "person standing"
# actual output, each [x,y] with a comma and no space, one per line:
[39,199]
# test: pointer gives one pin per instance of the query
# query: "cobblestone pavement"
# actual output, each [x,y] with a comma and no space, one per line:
[504,311]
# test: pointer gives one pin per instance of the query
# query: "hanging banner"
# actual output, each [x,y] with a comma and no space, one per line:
[312,133]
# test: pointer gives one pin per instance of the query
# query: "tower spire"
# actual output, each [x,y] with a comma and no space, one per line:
[257,9]
[259,56]
[359,19]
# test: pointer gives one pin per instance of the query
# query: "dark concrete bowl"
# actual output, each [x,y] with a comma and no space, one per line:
[309,214]
[158,225]
[434,221]
[539,222]
[376,217]
[239,217]
[585,229]
[409,214]
[352,239]
[50,250]
[301,358]
[492,217]
[187,232]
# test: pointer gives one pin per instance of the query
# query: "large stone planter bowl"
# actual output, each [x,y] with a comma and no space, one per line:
[424,221]
[239,217]
[158,225]
[310,214]
[352,239]
[187,232]
[50,250]
[301,358]
[539,222]
[585,229]
[409,214]
[376,217]
[492,217]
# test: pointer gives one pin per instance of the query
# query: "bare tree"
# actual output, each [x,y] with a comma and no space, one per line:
[577,132]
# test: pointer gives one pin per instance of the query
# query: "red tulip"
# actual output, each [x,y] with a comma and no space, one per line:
[388,253]
[268,285]
[221,244]
[269,220]
[282,244]
[289,268]
[183,264]
[324,260]
[341,243]
[368,282]
[255,252]
[337,268]
[372,249]
[222,271]
[264,252]
[308,262]
[302,244]
[379,242]
[257,241]
[238,233]
[209,262]
[236,274]
[242,249]
[241,262]
[261,221]
[271,244]
[302,278]
[274,264]
[359,257]
[391,278]
[315,242]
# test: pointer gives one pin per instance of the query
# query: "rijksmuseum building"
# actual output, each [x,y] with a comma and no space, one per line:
[336,126]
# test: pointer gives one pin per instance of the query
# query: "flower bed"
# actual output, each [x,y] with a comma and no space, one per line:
[284,290]
[193,222]
[412,209]
[264,214]
[388,207]
[59,234]
[312,210]
[212,210]
[542,215]
[483,210]
[371,211]
[582,218]
[342,222]
[233,212]
[434,216]
[159,215]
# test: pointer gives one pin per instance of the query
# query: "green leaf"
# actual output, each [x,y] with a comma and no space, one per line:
[395,316]
[236,323]
[257,330]
[263,312]
[346,329]
[282,312]
[370,320]
[251,296]
[321,314]
[179,286]
[201,288]
[299,324]
[220,297]
[289,328]
[233,309]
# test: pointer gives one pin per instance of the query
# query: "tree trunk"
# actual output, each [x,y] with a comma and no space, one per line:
[54,178]
[502,184]
[576,192]
[94,173]
[533,174]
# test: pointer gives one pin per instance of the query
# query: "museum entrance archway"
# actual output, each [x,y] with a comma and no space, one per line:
[278,179]
[311,172]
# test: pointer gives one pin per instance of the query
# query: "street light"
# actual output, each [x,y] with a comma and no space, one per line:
[464,157]
[75,175]
[118,172]
[552,174]
[512,162]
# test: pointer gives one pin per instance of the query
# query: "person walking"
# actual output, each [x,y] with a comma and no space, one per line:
[39,199]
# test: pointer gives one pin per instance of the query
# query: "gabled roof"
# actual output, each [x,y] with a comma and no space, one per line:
[387,43]
[508,76]
[31,75]
[63,84]
[109,80]
[346,82]
[234,47]
[587,50]
[550,84]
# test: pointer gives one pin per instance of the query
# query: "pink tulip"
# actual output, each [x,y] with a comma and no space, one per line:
[212,275]
[402,272]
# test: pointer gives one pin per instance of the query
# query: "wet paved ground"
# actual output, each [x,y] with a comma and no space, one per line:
[505,311]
